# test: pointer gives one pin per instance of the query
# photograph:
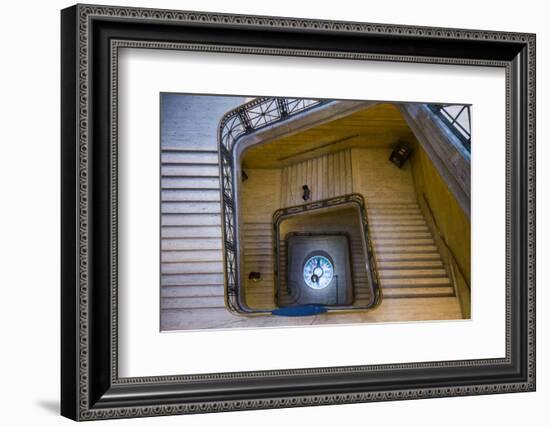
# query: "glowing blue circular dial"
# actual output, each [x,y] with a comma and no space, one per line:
[318,272]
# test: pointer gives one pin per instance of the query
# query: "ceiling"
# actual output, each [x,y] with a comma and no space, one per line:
[377,126]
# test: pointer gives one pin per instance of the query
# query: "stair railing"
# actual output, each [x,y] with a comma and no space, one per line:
[451,264]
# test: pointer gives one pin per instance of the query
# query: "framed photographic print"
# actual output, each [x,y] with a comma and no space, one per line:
[263,212]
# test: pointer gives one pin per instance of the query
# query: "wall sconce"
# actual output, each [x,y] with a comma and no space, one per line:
[255,276]
[307,193]
[400,153]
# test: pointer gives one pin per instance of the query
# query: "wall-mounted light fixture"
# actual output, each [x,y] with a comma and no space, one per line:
[307,193]
[400,153]
[255,276]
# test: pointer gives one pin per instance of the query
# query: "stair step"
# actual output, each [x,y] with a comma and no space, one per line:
[189,291]
[247,240]
[364,299]
[398,228]
[418,292]
[266,273]
[372,214]
[360,277]
[191,256]
[382,257]
[192,244]
[257,252]
[257,224]
[256,291]
[256,245]
[269,297]
[191,232]
[391,205]
[192,279]
[259,257]
[190,183]
[407,249]
[410,273]
[396,222]
[190,219]
[192,302]
[191,267]
[190,157]
[264,269]
[191,207]
[190,195]
[395,214]
[413,264]
[414,282]
[190,170]
[262,304]
[361,289]
[391,234]
[404,242]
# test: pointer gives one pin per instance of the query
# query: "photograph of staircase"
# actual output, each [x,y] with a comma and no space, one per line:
[224,258]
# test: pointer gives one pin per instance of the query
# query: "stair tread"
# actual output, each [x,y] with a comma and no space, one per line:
[381,257]
[391,234]
[414,281]
[396,214]
[406,249]
[192,302]
[192,291]
[393,212]
[391,205]
[388,222]
[403,241]
[411,264]
[435,272]
[418,292]
[398,228]
[248,235]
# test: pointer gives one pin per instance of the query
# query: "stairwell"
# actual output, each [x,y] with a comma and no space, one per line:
[414,281]
[344,220]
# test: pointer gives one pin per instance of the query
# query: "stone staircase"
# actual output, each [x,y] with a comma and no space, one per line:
[191,251]
[258,256]
[407,258]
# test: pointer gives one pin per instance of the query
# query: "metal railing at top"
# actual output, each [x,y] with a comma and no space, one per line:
[260,113]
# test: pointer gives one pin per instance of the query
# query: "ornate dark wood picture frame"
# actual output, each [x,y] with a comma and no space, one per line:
[90,384]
